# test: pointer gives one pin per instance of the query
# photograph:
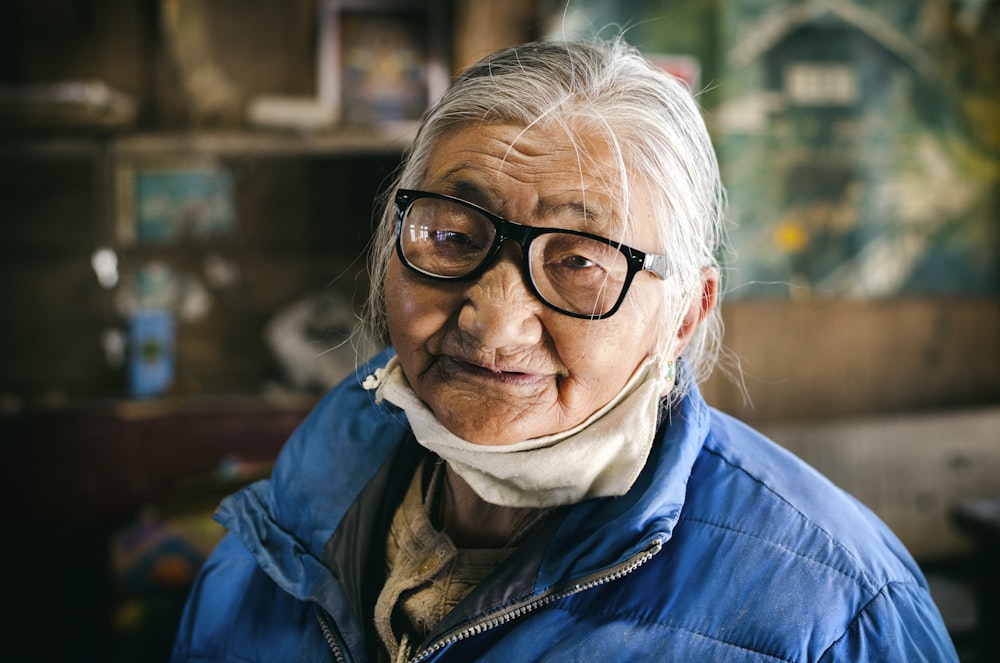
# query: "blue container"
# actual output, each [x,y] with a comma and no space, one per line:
[151,353]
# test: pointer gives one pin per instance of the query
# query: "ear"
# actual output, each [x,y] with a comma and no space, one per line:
[701,305]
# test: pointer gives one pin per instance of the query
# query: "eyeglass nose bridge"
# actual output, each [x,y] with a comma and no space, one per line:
[521,234]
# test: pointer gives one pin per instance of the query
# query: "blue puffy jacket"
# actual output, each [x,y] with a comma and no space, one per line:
[727,548]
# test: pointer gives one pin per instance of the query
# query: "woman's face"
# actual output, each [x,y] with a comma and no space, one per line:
[494,364]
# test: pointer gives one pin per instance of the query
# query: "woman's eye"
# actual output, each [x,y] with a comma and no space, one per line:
[454,239]
[575,268]
[578,262]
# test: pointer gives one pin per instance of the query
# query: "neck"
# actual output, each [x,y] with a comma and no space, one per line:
[471,522]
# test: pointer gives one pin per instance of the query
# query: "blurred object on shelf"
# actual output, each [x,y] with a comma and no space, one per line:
[151,355]
[155,557]
[68,104]
[317,340]
[381,64]
[293,113]
[214,99]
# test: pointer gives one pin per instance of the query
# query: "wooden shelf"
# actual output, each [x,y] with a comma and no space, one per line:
[342,141]
[267,143]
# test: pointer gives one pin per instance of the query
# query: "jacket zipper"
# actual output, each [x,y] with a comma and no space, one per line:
[331,639]
[595,580]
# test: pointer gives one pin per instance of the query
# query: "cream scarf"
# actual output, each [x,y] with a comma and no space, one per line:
[600,457]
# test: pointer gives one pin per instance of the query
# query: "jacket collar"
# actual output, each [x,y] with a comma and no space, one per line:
[601,533]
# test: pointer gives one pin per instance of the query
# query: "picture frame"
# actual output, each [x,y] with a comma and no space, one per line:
[381,62]
[167,199]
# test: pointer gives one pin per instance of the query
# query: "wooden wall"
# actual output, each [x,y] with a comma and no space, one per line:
[823,359]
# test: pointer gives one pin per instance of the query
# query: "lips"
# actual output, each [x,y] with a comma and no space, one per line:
[481,371]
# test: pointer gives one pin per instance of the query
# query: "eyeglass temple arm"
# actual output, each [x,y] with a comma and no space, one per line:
[656,264]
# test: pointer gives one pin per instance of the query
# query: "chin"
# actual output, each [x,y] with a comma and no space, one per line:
[491,434]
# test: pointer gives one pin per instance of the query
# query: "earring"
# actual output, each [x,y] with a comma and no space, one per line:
[670,370]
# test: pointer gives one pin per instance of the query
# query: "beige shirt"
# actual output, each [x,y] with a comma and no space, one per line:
[426,575]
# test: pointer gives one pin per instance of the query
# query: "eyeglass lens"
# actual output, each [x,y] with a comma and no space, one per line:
[572,273]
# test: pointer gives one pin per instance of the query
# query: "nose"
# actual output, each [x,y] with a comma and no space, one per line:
[499,309]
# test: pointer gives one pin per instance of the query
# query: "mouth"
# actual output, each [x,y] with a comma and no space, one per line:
[499,375]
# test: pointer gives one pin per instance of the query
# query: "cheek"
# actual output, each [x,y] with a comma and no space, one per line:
[414,310]
[635,328]
[620,353]
[615,346]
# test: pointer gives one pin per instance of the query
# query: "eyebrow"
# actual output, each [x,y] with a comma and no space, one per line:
[577,210]
[469,190]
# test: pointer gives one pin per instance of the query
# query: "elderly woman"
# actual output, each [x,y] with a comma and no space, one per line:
[530,472]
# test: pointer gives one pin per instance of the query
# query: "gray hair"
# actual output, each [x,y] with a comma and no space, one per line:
[650,120]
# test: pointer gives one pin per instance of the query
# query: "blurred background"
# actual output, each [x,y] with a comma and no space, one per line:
[187,190]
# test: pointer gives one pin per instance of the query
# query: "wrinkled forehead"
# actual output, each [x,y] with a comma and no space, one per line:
[557,173]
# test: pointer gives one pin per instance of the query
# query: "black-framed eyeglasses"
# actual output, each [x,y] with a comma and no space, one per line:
[571,271]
